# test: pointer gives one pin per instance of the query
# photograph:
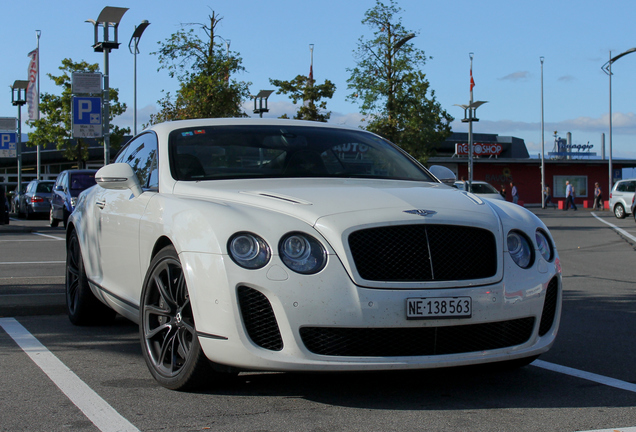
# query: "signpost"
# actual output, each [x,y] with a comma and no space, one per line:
[8,145]
[87,117]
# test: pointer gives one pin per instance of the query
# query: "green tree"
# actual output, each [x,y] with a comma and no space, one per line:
[204,71]
[390,88]
[55,124]
[304,88]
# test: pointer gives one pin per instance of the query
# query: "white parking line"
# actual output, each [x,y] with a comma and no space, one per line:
[98,411]
[611,382]
[31,262]
[49,236]
[620,230]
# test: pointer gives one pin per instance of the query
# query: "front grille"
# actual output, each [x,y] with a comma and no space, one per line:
[422,252]
[259,319]
[549,307]
[420,341]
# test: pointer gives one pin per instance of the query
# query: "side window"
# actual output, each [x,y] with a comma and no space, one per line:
[621,187]
[631,186]
[141,155]
[61,180]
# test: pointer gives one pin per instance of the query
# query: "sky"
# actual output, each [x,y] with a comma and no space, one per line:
[507,39]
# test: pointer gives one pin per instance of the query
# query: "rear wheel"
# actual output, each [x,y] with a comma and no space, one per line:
[619,211]
[167,331]
[52,221]
[82,305]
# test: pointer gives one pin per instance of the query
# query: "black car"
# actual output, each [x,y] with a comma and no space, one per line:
[67,188]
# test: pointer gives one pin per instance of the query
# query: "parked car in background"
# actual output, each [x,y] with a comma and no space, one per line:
[36,200]
[481,188]
[68,186]
[280,245]
[15,196]
[620,201]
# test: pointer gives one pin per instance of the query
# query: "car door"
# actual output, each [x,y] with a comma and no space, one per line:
[119,213]
[57,196]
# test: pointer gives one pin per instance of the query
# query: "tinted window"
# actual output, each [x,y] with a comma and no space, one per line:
[631,186]
[45,187]
[81,181]
[141,155]
[222,152]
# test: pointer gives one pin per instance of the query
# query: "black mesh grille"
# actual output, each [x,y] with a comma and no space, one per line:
[424,253]
[392,342]
[549,307]
[259,319]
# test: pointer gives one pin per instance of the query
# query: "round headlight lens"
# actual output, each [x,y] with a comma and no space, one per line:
[302,253]
[249,250]
[544,245]
[519,249]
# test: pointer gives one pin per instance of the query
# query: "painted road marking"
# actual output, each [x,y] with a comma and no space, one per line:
[49,236]
[611,382]
[620,230]
[31,262]
[98,411]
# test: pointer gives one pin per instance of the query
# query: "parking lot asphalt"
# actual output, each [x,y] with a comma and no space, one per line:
[35,295]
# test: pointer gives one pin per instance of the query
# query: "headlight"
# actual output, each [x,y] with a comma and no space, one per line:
[249,250]
[302,253]
[544,245]
[519,249]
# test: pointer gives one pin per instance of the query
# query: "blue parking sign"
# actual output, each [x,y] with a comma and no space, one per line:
[87,117]
[8,142]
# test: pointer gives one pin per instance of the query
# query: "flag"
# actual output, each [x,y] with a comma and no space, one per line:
[32,90]
[472,81]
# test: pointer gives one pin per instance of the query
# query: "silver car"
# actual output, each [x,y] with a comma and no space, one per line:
[481,188]
[37,198]
[621,197]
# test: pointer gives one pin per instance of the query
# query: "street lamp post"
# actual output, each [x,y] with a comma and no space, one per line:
[18,98]
[607,68]
[109,17]
[260,97]
[133,46]
[470,116]
[542,142]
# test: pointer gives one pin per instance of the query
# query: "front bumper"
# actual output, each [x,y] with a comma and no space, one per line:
[274,319]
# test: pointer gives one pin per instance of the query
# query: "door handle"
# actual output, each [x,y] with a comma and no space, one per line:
[100,204]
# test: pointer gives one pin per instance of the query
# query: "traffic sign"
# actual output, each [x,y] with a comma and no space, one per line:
[87,117]
[8,141]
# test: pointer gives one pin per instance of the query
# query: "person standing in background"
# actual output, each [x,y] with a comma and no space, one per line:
[514,192]
[569,196]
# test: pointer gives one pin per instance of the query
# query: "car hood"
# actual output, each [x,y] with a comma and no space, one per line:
[336,204]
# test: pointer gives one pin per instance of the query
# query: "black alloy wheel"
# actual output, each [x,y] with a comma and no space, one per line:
[167,330]
[82,305]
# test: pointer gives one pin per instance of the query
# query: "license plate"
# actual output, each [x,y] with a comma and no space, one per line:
[439,307]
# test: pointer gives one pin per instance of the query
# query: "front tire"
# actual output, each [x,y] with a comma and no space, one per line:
[619,211]
[167,330]
[82,305]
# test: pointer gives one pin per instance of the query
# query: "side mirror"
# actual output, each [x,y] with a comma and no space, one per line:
[59,188]
[118,176]
[443,174]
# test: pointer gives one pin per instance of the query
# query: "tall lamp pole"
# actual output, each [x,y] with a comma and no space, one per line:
[133,46]
[470,116]
[607,68]
[109,17]
[542,142]
[18,98]
[38,33]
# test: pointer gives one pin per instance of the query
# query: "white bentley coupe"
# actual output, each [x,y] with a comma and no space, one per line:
[274,245]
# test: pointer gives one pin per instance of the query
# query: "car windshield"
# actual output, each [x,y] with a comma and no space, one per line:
[81,181]
[44,187]
[484,188]
[229,152]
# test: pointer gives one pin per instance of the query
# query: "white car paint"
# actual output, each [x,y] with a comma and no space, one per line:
[119,229]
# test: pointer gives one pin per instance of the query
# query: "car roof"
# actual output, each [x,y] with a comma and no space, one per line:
[168,127]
